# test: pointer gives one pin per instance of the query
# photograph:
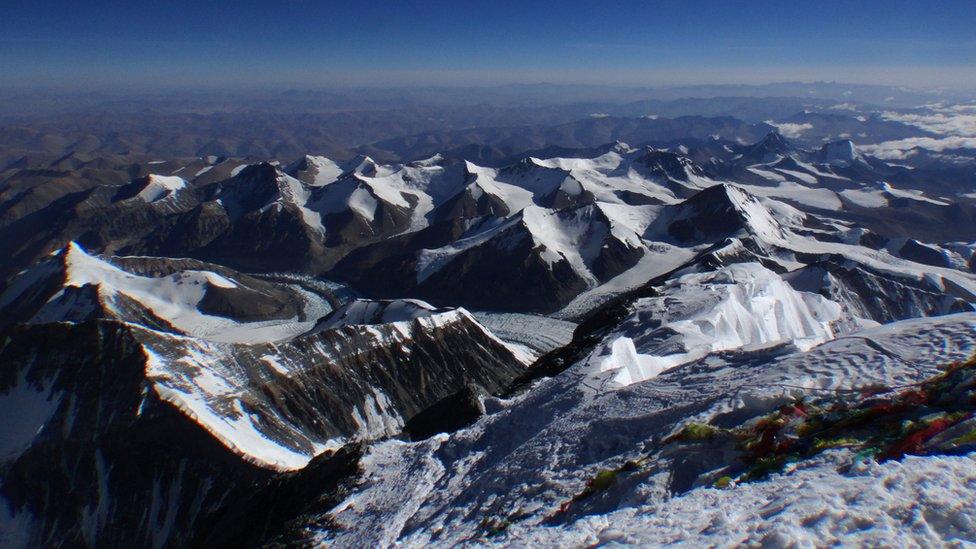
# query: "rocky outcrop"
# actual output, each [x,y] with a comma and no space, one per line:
[99,458]
[448,414]
[882,297]
[918,252]
[131,436]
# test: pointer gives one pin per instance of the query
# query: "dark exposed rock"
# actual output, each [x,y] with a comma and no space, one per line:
[569,195]
[873,295]
[710,215]
[668,165]
[634,199]
[914,250]
[615,257]
[770,147]
[185,233]
[247,305]
[448,414]
[872,240]
[273,239]
[517,276]
[108,442]
[471,203]
[519,280]
[107,449]
[280,510]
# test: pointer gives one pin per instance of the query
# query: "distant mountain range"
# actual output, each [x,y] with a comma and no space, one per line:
[481,124]
[463,335]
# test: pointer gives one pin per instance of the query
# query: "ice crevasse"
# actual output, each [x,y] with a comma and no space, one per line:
[741,305]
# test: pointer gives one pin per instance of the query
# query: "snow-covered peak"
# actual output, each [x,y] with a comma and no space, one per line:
[369,312]
[350,193]
[363,382]
[160,187]
[769,149]
[669,164]
[81,268]
[262,186]
[717,212]
[473,170]
[435,160]
[505,188]
[315,170]
[533,175]
[839,152]
[575,236]
[620,147]
[742,305]
[365,166]
[759,218]
[180,296]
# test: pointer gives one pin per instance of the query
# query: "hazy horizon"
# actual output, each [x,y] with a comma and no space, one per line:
[487,83]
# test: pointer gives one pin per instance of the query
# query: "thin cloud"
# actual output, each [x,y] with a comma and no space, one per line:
[955,122]
[951,122]
[790,129]
[904,148]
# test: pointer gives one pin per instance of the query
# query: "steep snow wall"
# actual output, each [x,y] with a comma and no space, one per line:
[741,305]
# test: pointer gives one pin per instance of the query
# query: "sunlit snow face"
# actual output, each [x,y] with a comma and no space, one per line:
[737,306]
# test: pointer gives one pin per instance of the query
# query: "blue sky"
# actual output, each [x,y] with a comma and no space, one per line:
[295,42]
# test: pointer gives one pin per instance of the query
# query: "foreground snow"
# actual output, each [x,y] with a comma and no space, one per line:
[919,501]
[532,454]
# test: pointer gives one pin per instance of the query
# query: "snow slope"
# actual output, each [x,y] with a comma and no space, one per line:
[534,453]
[353,371]
[159,187]
[175,299]
[743,305]
[536,333]
[365,312]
